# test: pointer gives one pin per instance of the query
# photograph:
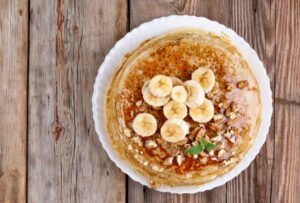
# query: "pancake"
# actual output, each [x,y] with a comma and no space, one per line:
[208,149]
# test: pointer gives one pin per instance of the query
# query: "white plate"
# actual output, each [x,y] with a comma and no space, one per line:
[157,27]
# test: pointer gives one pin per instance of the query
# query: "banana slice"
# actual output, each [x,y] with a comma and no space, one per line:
[175,109]
[174,130]
[176,81]
[205,77]
[152,100]
[179,94]
[144,124]
[203,113]
[195,94]
[160,86]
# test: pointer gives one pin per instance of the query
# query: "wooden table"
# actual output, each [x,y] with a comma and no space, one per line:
[49,57]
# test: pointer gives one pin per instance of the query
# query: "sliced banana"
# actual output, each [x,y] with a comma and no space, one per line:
[175,109]
[176,81]
[152,100]
[204,112]
[205,77]
[144,124]
[174,130]
[179,94]
[195,94]
[160,86]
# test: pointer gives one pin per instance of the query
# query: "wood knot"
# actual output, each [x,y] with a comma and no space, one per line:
[57,130]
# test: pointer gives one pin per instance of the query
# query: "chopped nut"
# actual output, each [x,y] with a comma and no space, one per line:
[194,132]
[211,153]
[230,161]
[182,142]
[187,146]
[216,126]
[220,132]
[231,132]
[232,139]
[157,168]
[227,135]
[216,138]
[127,132]
[204,160]
[159,152]
[139,158]
[168,161]
[195,156]
[221,153]
[150,144]
[146,163]
[138,141]
[200,134]
[179,159]
[174,151]
[232,115]
[218,117]
[195,143]
[203,154]
[222,145]
[242,84]
[214,158]
[139,103]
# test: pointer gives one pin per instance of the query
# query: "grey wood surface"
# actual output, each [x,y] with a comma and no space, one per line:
[49,57]
[68,41]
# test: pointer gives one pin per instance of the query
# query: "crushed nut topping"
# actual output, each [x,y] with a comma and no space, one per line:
[139,103]
[218,117]
[216,138]
[232,115]
[230,161]
[221,153]
[168,161]
[150,144]
[182,142]
[194,132]
[204,160]
[200,133]
[157,168]
[180,158]
[127,132]
[137,140]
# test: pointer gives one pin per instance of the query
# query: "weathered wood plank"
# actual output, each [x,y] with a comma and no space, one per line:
[285,173]
[69,39]
[141,11]
[254,20]
[13,103]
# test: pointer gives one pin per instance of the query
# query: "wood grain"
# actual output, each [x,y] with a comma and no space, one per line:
[13,103]
[286,179]
[254,21]
[69,39]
